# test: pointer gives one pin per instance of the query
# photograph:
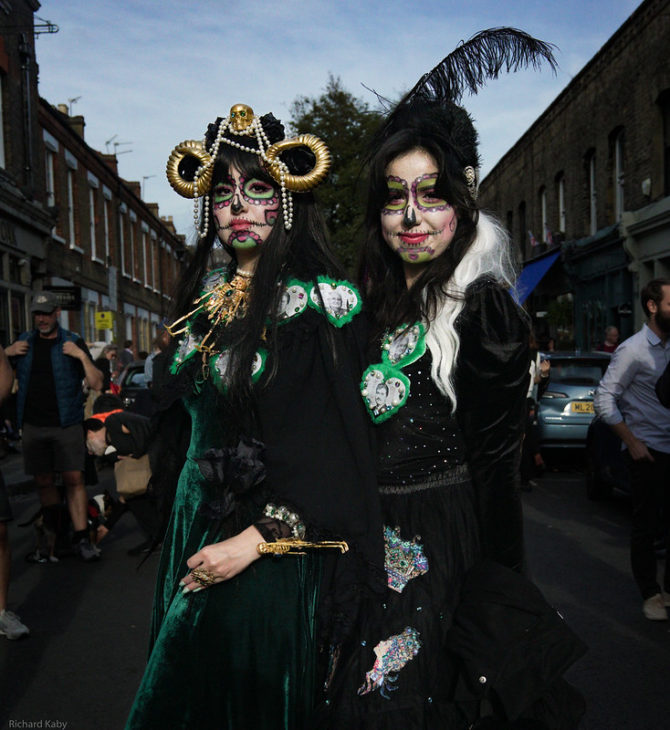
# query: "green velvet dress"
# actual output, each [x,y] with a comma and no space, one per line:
[243,653]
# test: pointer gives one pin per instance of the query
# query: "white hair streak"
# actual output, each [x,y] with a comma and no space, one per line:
[489,255]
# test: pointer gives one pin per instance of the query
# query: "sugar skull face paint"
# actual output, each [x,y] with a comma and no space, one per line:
[416,223]
[244,210]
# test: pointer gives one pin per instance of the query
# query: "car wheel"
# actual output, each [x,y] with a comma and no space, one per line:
[596,487]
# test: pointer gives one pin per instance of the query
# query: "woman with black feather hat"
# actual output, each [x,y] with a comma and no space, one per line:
[275,528]
[446,388]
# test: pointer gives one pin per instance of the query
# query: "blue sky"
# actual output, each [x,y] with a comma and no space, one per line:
[155,72]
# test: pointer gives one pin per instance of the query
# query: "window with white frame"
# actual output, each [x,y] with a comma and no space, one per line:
[543,213]
[106,202]
[122,239]
[71,166]
[154,250]
[618,176]
[49,161]
[50,151]
[72,236]
[593,196]
[105,227]
[91,209]
[560,199]
[131,245]
[145,280]
[93,186]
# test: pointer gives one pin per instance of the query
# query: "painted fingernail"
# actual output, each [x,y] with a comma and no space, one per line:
[185,590]
[195,590]
[181,584]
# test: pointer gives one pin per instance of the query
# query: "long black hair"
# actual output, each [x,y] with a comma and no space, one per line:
[302,252]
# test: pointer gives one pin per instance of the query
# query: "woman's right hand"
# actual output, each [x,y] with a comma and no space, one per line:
[222,560]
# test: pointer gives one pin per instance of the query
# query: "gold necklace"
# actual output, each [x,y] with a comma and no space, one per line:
[225,302]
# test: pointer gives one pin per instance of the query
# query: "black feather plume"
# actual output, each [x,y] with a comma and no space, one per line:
[482,57]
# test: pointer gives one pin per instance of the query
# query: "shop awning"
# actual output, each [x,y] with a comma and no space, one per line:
[531,275]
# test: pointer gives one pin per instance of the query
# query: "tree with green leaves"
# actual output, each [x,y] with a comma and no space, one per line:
[346,124]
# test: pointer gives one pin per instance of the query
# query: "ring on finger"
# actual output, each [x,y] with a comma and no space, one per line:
[202,576]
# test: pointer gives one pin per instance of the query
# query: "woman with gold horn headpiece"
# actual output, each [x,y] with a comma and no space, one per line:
[275,523]
[446,387]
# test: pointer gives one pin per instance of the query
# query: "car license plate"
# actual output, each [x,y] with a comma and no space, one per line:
[581,406]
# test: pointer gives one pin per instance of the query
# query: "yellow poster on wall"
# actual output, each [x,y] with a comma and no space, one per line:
[104,320]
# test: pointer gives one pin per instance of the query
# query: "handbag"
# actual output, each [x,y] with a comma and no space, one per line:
[132,476]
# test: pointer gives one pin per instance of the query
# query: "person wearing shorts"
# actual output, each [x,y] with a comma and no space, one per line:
[10,623]
[51,365]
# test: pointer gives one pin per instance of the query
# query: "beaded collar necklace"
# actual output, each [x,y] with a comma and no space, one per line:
[338,301]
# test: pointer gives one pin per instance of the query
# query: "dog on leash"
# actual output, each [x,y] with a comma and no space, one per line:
[53,528]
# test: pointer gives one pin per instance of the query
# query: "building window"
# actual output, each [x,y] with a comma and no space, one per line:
[593,196]
[154,268]
[560,199]
[122,242]
[145,280]
[2,120]
[543,213]
[523,233]
[664,102]
[91,209]
[51,178]
[132,259]
[72,237]
[105,227]
[618,175]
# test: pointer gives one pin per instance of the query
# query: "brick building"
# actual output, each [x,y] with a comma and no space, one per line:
[25,220]
[68,222]
[589,181]
[108,247]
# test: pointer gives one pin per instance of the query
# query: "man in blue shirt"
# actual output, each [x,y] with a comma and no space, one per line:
[626,400]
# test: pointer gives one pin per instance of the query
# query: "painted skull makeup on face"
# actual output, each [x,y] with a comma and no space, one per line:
[244,210]
[416,223]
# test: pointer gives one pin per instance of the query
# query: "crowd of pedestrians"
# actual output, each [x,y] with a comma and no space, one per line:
[54,386]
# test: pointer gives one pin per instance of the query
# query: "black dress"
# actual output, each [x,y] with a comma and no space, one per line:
[449,496]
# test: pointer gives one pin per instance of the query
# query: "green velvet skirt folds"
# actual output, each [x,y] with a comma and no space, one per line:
[240,654]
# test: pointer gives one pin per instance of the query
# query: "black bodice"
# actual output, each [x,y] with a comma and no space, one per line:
[422,438]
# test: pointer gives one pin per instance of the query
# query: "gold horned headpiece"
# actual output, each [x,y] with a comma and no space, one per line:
[191,165]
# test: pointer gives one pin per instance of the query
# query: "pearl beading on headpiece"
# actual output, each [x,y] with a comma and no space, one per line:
[263,144]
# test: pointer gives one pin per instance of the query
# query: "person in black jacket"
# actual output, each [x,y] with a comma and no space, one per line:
[111,431]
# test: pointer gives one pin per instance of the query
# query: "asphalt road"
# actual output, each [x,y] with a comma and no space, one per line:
[89,623]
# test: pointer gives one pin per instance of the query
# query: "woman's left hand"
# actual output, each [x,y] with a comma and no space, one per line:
[222,560]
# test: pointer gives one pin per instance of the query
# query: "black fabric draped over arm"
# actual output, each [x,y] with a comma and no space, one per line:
[319,451]
[491,384]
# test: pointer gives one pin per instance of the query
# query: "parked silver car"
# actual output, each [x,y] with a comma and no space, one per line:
[566,408]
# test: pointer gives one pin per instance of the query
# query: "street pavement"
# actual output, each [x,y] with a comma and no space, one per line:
[89,623]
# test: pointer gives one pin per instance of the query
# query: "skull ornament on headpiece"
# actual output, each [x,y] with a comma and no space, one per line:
[190,166]
[241,117]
